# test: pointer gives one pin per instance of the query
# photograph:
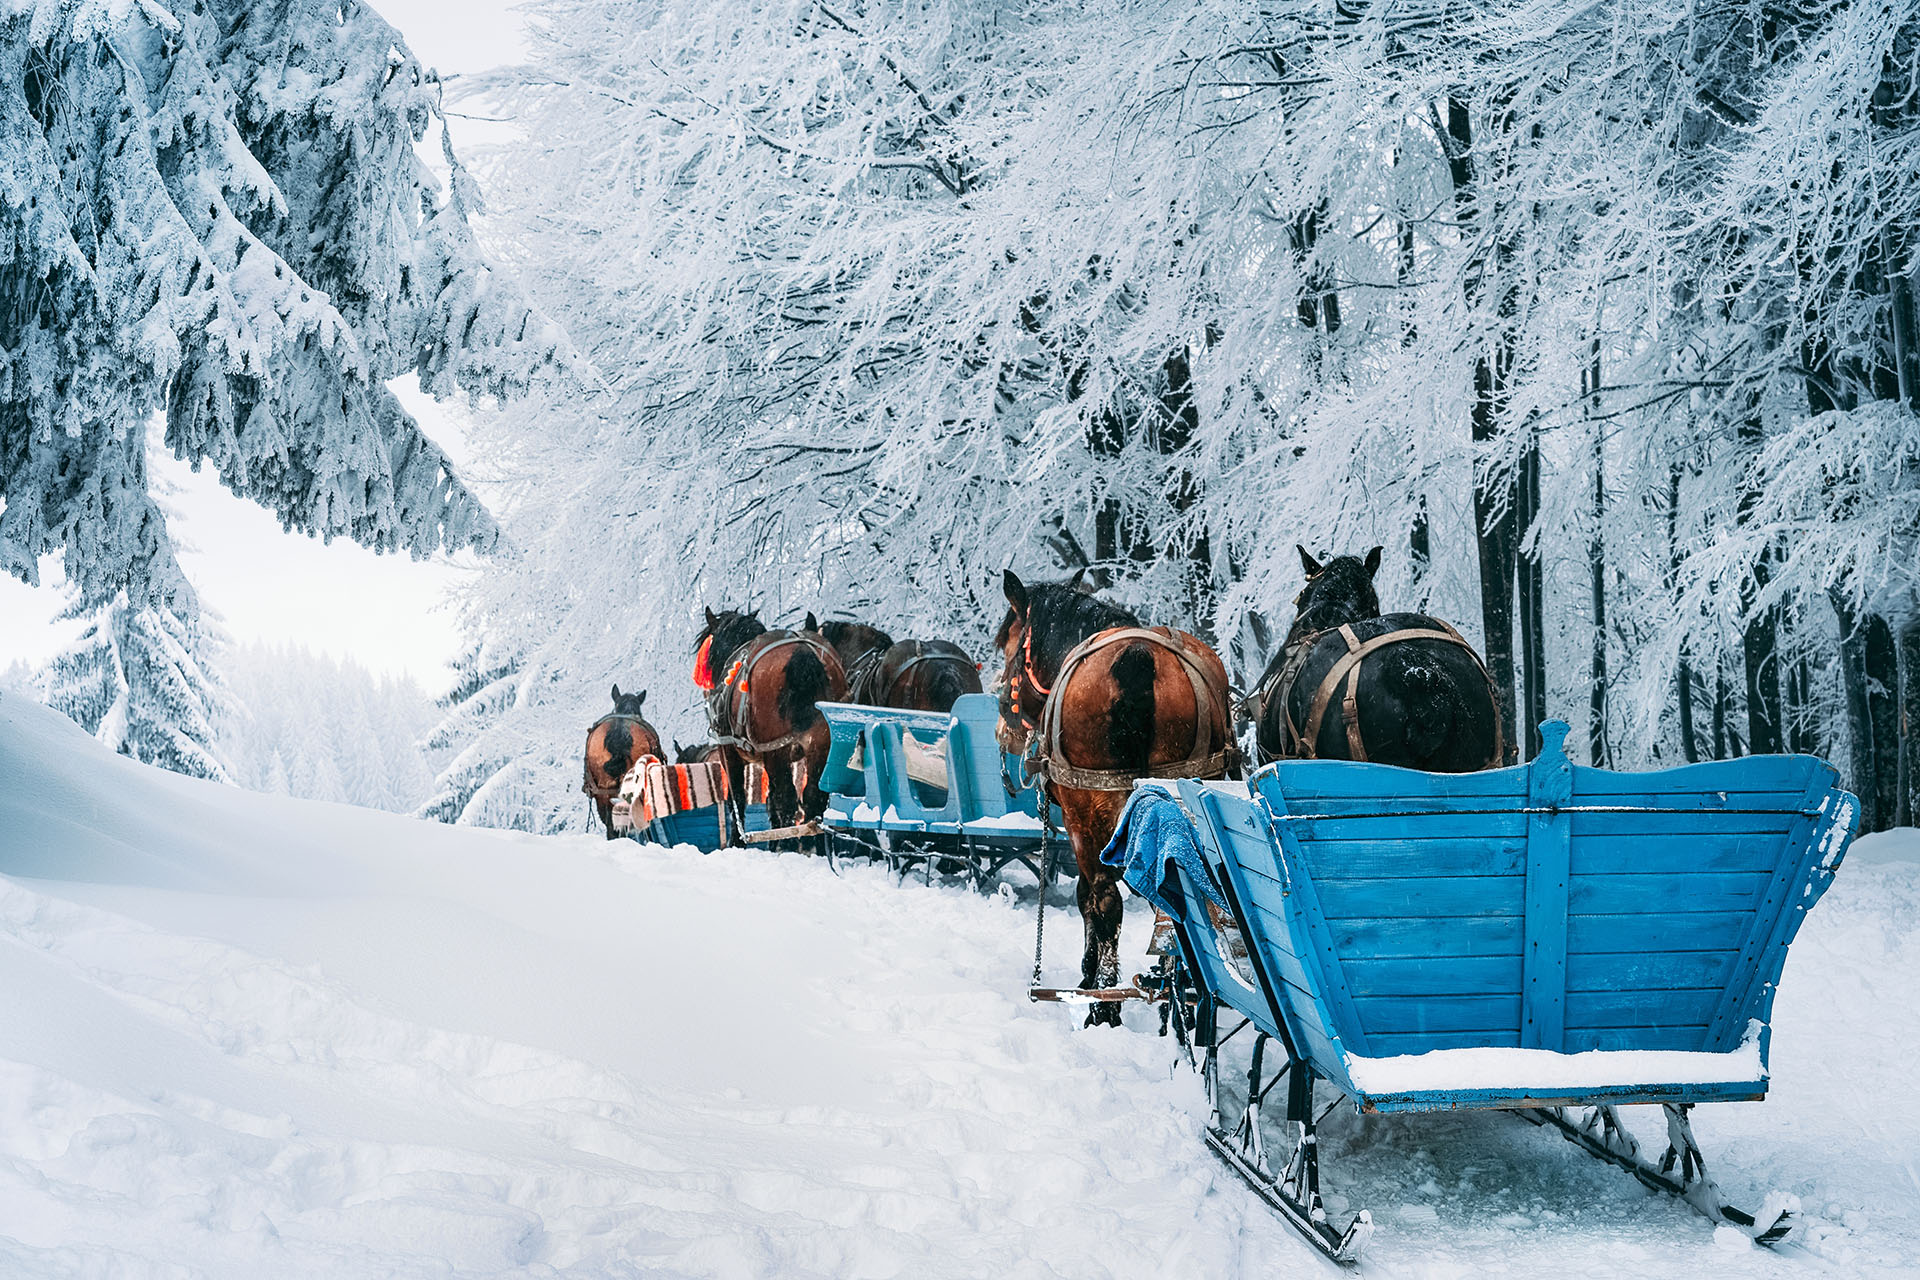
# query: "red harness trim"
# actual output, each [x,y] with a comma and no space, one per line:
[703,666]
[1026,661]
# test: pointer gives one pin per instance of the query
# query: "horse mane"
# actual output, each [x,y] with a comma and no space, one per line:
[840,634]
[1060,615]
[730,631]
[1341,592]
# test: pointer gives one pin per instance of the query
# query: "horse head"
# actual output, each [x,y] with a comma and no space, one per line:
[1339,591]
[628,704]
[729,631]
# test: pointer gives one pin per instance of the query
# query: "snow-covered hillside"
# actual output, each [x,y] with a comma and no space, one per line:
[246,1036]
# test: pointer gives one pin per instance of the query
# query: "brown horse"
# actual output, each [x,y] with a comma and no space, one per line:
[616,740]
[761,689]
[860,648]
[1103,701]
[918,675]
[1353,684]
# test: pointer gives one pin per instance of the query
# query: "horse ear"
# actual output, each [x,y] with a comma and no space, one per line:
[1307,562]
[1079,576]
[616,693]
[641,701]
[812,623]
[1016,590]
[712,621]
[1373,561]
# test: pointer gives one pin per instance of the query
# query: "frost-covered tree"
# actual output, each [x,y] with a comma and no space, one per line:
[139,679]
[213,210]
[483,773]
[1599,316]
[310,725]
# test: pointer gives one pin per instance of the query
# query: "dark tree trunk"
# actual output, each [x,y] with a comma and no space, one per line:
[1598,749]
[1533,639]
[1883,715]
[1853,683]
[1178,424]
[1683,680]
[1909,807]
[1720,751]
[1493,506]
[1760,638]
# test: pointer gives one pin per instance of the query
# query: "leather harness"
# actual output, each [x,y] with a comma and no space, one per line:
[730,711]
[601,791]
[1050,763]
[1302,744]
[877,696]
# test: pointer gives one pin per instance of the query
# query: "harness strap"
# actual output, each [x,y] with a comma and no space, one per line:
[1051,763]
[899,673]
[1348,669]
[732,726]
[860,673]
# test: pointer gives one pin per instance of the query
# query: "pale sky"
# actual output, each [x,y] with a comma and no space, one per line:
[386,612]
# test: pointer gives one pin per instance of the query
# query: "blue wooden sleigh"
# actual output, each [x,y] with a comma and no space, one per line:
[928,789]
[1535,939]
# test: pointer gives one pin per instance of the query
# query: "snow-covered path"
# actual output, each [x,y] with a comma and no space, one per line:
[245,1036]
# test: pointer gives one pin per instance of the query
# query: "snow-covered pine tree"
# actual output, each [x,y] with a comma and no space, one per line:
[295,709]
[137,678]
[214,209]
[479,775]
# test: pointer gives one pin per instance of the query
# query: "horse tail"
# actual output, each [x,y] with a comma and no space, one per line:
[619,744]
[945,684]
[1130,723]
[806,684]
[1430,704]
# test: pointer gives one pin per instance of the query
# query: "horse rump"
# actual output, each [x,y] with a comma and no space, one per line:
[806,683]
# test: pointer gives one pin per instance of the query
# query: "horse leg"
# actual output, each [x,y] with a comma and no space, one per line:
[1098,893]
[819,742]
[605,809]
[736,766]
[782,799]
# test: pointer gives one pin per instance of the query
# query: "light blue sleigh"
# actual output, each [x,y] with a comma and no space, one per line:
[1535,939]
[930,789]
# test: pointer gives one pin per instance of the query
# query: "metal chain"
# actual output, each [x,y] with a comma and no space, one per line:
[1046,879]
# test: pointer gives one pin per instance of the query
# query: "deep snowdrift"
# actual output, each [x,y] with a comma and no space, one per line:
[246,1036]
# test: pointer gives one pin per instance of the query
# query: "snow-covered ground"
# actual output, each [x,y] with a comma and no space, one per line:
[245,1036]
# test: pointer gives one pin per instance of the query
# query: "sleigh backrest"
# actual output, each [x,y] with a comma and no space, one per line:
[1543,907]
[925,768]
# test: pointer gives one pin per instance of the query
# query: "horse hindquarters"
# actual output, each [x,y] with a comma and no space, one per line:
[1426,704]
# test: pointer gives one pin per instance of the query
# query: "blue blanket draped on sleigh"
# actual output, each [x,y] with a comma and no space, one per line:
[1154,831]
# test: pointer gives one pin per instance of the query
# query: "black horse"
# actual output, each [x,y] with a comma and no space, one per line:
[1422,695]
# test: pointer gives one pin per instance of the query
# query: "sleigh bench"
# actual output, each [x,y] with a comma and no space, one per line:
[1535,939]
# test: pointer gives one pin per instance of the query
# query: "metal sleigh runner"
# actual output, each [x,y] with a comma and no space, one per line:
[1538,939]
